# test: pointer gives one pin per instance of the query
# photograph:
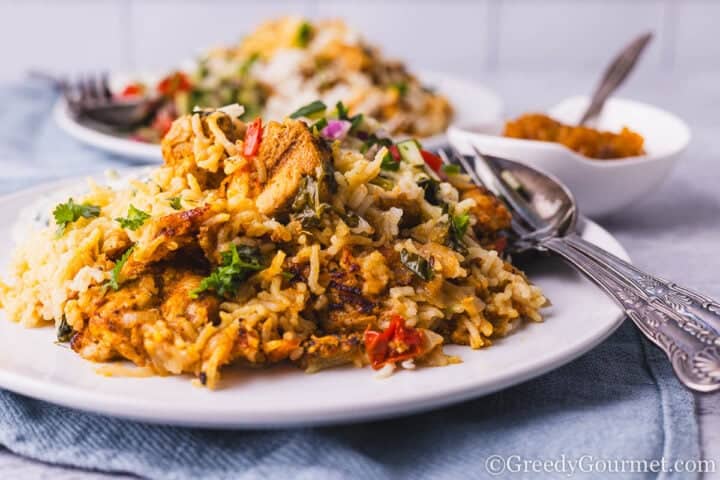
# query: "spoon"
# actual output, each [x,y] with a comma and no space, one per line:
[683,323]
[615,75]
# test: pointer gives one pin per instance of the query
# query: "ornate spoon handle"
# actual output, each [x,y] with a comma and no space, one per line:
[692,346]
[694,308]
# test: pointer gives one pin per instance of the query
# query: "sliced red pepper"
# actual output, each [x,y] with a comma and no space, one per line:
[433,161]
[253,137]
[173,83]
[133,90]
[394,152]
[381,347]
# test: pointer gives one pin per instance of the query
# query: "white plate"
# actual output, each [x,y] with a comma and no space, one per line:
[580,318]
[474,104]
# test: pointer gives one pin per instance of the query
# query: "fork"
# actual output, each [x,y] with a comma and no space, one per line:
[683,323]
[90,96]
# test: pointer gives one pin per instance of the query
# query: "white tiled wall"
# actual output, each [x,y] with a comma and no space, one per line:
[464,36]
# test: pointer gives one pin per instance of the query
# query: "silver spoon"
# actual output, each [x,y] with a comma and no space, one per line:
[683,323]
[615,75]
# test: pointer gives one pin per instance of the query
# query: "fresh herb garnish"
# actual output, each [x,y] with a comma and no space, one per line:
[389,163]
[69,212]
[309,109]
[114,281]
[401,87]
[304,34]
[416,264]
[320,124]
[451,169]
[351,219]
[456,231]
[238,263]
[373,139]
[64,331]
[355,121]
[307,207]
[432,191]
[134,220]
[342,111]
[176,203]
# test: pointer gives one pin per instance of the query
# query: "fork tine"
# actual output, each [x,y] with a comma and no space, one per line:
[95,87]
[105,86]
[83,86]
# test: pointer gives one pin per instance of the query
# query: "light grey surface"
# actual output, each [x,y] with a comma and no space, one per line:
[468,36]
[674,232]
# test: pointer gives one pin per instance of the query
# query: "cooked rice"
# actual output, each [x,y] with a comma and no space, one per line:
[323,285]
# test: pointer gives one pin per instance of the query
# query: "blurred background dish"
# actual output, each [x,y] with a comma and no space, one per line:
[600,186]
[282,65]
[473,103]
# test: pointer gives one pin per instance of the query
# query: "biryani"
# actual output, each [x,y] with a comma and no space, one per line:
[289,62]
[586,141]
[315,241]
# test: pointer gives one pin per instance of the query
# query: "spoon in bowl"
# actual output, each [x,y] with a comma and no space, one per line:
[615,75]
[683,323]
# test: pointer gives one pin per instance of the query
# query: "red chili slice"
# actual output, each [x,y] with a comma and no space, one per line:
[253,137]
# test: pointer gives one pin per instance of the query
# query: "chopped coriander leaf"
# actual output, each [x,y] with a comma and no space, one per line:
[135,218]
[456,231]
[320,124]
[460,224]
[304,34]
[389,163]
[342,112]
[432,191]
[70,211]
[114,281]
[355,121]
[309,109]
[238,263]
[451,169]
[373,139]
[401,87]
[416,264]
[176,203]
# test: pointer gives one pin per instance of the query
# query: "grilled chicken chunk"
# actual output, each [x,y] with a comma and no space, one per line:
[127,323]
[491,214]
[288,153]
[165,236]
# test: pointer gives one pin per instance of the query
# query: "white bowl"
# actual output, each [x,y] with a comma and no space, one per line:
[600,186]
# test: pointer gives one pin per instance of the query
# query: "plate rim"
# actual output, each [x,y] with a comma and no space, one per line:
[134,151]
[148,411]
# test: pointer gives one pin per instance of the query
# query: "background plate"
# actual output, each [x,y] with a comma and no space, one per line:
[474,105]
[31,363]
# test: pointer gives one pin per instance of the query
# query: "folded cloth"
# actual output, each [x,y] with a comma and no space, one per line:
[618,402]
